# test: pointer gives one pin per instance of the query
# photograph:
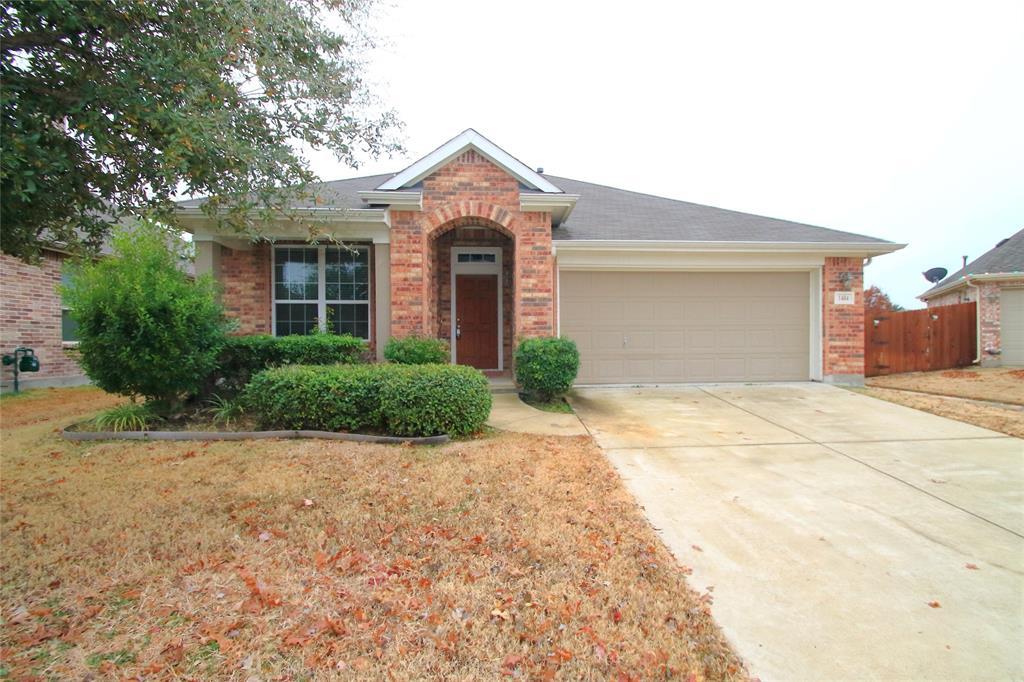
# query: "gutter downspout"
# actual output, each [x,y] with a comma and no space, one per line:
[977,318]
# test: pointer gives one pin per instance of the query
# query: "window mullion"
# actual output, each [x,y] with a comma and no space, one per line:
[321,293]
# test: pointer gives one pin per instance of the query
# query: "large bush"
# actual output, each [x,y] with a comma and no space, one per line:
[417,350]
[402,400]
[145,329]
[546,366]
[244,356]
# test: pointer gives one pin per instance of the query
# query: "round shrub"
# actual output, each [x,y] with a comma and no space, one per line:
[425,400]
[401,400]
[546,366]
[145,329]
[417,350]
[323,398]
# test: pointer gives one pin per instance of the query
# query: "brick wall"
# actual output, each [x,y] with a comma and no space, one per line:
[30,315]
[246,278]
[843,325]
[469,191]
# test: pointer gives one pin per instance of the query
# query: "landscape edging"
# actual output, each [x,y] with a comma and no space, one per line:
[248,435]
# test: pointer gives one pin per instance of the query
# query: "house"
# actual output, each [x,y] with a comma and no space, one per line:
[32,315]
[472,245]
[996,281]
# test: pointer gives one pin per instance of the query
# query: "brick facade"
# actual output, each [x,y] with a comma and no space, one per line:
[30,315]
[843,325]
[470,191]
[989,297]
[246,278]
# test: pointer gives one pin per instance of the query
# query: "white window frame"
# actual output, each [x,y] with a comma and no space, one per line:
[321,288]
[479,268]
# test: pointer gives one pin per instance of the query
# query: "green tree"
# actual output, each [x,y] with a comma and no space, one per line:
[112,106]
[144,327]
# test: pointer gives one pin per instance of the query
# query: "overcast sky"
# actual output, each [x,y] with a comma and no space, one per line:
[900,120]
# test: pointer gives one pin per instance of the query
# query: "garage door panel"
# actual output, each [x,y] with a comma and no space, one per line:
[638,312]
[639,342]
[668,341]
[662,327]
[605,341]
[732,339]
[700,339]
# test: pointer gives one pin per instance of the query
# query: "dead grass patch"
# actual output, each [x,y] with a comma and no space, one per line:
[507,555]
[1008,420]
[979,383]
[58,405]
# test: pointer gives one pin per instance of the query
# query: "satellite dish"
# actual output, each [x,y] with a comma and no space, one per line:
[935,274]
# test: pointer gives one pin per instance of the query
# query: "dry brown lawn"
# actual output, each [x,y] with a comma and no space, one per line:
[506,555]
[999,384]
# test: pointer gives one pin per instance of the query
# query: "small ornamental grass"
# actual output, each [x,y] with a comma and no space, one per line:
[417,350]
[401,400]
[546,367]
[126,417]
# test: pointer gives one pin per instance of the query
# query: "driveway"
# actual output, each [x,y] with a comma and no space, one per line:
[825,523]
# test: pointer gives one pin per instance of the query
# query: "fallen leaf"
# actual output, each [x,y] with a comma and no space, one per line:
[935,605]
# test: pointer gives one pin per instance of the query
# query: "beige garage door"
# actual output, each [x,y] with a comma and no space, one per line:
[666,327]
[1012,326]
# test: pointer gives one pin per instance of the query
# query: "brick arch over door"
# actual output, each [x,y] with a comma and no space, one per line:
[471,232]
[413,234]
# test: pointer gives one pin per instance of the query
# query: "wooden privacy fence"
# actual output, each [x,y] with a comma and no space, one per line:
[919,340]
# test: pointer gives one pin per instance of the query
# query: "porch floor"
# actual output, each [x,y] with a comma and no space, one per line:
[501,382]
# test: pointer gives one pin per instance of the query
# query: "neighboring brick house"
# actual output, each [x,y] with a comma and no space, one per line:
[31,315]
[471,245]
[995,281]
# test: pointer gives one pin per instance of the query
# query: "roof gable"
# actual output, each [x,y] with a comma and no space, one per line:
[469,139]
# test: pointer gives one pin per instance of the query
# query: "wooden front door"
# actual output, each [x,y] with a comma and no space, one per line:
[476,320]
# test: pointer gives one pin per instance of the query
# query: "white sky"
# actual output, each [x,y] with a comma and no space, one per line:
[900,120]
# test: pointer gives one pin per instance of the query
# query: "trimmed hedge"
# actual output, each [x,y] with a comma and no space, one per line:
[546,366]
[400,400]
[244,356]
[417,350]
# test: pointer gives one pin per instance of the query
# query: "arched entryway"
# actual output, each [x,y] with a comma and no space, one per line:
[473,290]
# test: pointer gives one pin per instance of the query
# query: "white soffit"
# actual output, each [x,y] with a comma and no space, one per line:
[469,139]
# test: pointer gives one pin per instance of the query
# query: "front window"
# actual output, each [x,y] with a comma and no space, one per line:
[325,287]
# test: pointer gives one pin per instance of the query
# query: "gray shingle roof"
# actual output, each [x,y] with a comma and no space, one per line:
[607,213]
[612,214]
[1005,258]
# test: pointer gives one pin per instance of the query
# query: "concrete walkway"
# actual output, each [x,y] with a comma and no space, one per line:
[844,538]
[509,413]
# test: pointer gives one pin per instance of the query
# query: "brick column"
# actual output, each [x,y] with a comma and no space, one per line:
[843,324]
[408,276]
[534,286]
